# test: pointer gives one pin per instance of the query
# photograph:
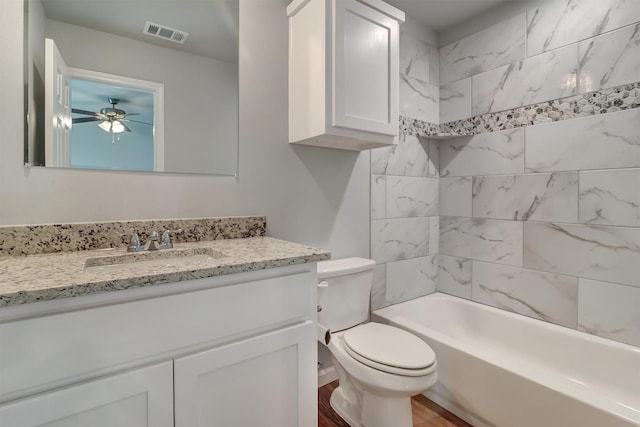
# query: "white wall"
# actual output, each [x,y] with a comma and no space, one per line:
[310,195]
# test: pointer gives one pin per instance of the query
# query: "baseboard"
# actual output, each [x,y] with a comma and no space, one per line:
[326,375]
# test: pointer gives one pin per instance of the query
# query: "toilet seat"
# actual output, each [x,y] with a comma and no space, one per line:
[389,349]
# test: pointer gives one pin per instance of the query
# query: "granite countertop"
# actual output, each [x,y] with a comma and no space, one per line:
[32,278]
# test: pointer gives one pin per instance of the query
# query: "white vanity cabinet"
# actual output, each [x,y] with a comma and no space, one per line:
[233,350]
[343,73]
[138,398]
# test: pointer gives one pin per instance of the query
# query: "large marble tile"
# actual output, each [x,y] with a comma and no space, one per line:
[411,196]
[544,77]
[561,22]
[397,239]
[597,142]
[545,296]
[412,278]
[419,99]
[434,65]
[379,287]
[609,60]
[454,276]
[414,57]
[594,252]
[482,239]
[434,158]
[610,197]
[455,196]
[483,154]
[378,196]
[492,47]
[455,100]
[539,197]
[609,310]
[434,233]
[409,157]
[380,156]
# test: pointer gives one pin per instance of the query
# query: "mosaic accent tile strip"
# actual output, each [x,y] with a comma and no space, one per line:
[620,98]
[411,126]
[43,239]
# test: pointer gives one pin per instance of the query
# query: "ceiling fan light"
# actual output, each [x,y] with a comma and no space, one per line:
[117,126]
[105,126]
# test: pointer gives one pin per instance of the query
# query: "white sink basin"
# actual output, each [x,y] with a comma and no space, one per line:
[142,261]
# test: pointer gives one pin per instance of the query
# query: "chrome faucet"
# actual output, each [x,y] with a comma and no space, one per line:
[156,242]
[154,238]
[134,243]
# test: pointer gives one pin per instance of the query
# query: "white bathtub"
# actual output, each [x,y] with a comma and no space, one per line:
[496,368]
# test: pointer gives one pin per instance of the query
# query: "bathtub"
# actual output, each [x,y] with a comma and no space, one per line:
[497,368]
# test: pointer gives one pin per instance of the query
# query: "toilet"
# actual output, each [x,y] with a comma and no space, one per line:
[379,366]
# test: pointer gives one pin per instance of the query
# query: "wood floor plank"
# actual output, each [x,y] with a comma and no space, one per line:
[425,412]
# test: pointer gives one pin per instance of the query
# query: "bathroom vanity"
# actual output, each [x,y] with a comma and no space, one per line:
[189,343]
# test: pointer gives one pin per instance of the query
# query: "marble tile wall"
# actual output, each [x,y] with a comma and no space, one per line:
[528,233]
[419,75]
[404,185]
[577,199]
[534,208]
[538,198]
[558,49]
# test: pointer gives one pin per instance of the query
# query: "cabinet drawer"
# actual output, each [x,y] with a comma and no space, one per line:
[47,352]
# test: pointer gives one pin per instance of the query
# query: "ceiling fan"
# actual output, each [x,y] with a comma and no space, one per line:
[111,118]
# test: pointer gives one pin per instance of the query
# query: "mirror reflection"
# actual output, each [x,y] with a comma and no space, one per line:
[143,85]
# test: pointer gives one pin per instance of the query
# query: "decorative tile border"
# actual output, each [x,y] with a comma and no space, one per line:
[411,126]
[42,239]
[618,98]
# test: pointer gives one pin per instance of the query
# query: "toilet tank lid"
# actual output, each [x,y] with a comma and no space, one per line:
[344,266]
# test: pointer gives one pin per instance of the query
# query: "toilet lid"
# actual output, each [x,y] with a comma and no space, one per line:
[389,349]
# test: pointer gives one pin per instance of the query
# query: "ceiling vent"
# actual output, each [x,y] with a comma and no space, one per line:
[164,32]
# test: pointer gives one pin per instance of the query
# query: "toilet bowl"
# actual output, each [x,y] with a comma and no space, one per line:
[379,366]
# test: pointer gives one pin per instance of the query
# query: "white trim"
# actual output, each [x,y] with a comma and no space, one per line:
[158,104]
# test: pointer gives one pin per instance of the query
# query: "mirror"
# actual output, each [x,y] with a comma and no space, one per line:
[136,85]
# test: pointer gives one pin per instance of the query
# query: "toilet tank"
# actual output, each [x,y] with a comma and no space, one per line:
[343,292]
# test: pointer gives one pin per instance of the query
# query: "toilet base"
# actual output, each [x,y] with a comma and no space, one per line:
[386,411]
[373,411]
[348,411]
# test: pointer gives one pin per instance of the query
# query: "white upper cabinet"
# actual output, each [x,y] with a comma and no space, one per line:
[343,73]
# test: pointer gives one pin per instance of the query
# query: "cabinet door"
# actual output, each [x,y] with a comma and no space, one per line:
[139,398]
[267,381]
[365,86]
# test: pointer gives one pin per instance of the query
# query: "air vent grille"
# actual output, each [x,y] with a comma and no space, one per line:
[164,32]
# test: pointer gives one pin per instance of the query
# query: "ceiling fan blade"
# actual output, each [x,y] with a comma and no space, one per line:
[85,112]
[136,121]
[133,114]
[85,119]
[126,128]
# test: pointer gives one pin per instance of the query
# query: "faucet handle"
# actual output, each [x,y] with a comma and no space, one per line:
[134,243]
[165,241]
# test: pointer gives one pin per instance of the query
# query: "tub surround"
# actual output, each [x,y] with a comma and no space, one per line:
[536,132]
[47,262]
[51,238]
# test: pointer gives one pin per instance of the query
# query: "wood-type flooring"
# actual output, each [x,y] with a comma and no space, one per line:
[425,412]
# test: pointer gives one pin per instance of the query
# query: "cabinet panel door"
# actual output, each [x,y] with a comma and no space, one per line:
[366,69]
[268,381]
[139,398]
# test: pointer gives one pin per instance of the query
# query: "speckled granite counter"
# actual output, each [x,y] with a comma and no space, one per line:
[26,279]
